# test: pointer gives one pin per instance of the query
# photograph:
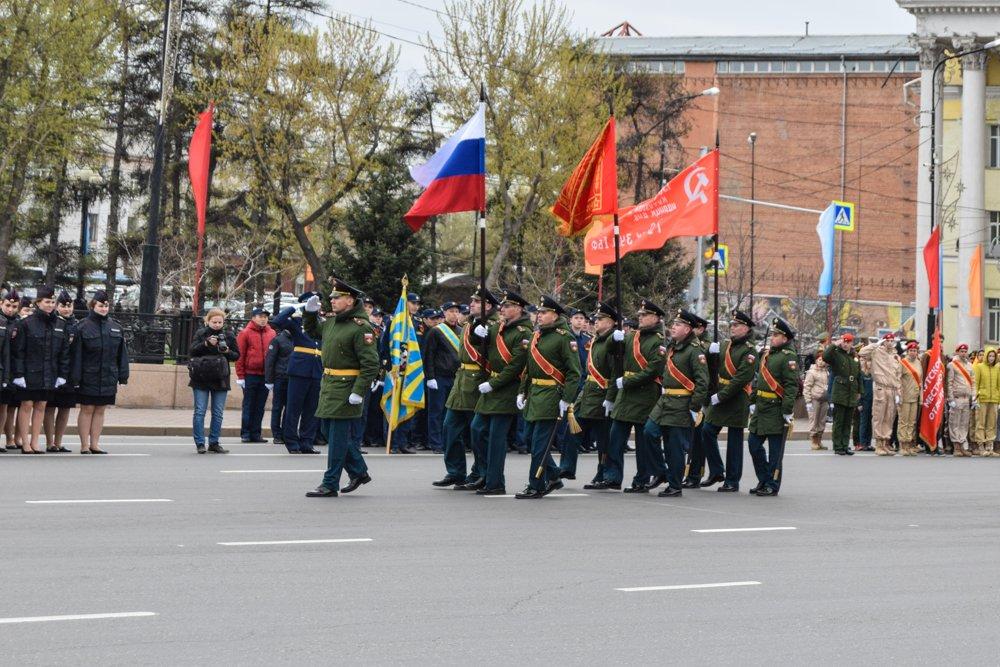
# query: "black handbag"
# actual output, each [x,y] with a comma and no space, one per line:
[208,369]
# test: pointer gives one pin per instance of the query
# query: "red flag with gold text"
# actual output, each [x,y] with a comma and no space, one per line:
[592,188]
[932,396]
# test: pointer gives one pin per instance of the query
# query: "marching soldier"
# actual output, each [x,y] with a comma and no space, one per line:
[548,390]
[460,407]
[442,346]
[699,452]
[638,390]
[846,372]
[350,365]
[305,372]
[776,387]
[960,392]
[731,404]
[911,379]
[678,410]
[597,398]
[884,364]
[496,408]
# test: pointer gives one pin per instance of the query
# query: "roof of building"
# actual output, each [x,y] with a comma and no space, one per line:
[761,46]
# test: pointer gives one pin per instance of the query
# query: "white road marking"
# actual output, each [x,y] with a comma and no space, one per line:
[76,617]
[682,587]
[89,501]
[551,495]
[254,544]
[742,530]
[269,472]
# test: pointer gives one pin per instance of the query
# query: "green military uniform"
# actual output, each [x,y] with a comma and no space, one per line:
[461,406]
[638,391]
[549,386]
[846,372]
[350,365]
[776,387]
[736,365]
[496,408]
[685,390]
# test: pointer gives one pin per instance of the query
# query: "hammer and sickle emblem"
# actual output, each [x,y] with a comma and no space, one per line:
[695,184]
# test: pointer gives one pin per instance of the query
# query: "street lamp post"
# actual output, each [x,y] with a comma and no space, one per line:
[931,316]
[752,139]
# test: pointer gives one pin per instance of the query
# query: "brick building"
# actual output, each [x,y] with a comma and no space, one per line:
[835,117]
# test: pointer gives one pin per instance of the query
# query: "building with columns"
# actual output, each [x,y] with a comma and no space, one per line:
[961,109]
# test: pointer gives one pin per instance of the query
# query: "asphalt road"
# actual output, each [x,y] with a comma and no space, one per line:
[890,561]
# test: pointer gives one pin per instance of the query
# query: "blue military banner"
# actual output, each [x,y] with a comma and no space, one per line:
[403,394]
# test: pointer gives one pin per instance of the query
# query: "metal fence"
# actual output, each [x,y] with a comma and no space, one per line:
[161,338]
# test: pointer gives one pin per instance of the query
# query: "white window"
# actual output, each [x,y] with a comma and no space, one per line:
[722,67]
[93,219]
[993,249]
[993,313]
[994,146]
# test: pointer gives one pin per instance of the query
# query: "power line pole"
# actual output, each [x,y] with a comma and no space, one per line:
[149,282]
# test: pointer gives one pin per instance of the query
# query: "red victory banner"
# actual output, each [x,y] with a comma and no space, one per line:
[686,206]
[932,398]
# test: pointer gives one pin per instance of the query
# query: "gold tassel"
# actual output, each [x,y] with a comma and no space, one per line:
[574,425]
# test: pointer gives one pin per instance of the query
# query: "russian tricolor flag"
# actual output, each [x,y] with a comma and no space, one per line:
[455,176]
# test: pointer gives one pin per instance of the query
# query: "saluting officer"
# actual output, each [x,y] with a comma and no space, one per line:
[460,407]
[596,400]
[548,389]
[731,404]
[776,387]
[305,371]
[638,391]
[496,408]
[678,411]
[846,372]
[350,364]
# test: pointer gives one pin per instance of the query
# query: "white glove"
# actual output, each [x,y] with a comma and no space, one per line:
[563,405]
[485,388]
[19,382]
[378,384]
[713,348]
[521,401]
[432,384]
[951,404]
[787,418]
[618,336]
[608,406]
[60,382]
[694,415]
[269,387]
[753,408]
[620,383]
[897,399]
[355,399]
[242,384]
[312,304]
[715,399]
[975,404]
[481,331]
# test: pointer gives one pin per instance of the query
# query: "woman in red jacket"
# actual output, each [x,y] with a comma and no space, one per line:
[252,344]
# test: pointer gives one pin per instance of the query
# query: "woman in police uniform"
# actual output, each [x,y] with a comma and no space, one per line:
[40,364]
[100,364]
[62,399]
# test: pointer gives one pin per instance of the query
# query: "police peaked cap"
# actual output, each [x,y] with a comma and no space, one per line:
[548,303]
[742,318]
[64,297]
[101,296]
[448,305]
[490,297]
[44,293]
[783,327]
[510,296]
[647,306]
[413,297]
[340,288]
[604,310]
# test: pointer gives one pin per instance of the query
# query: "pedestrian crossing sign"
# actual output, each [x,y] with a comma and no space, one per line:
[722,255]
[843,216]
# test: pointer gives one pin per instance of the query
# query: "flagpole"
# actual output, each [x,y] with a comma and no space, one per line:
[481,217]
[618,258]
[199,266]
[715,251]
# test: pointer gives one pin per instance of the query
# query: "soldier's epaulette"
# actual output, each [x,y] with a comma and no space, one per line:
[787,351]
[523,328]
[361,322]
[564,332]
[659,335]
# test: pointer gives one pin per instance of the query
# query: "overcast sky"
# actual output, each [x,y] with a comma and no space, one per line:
[402,18]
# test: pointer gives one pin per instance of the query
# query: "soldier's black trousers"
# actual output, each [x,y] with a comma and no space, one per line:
[538,435]
[704,447]
[767,465]
[734,451]
[597,430]
[456,430]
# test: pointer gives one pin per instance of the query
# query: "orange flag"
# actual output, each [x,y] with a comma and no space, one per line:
[976,283]
[932,395]
[592,188]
